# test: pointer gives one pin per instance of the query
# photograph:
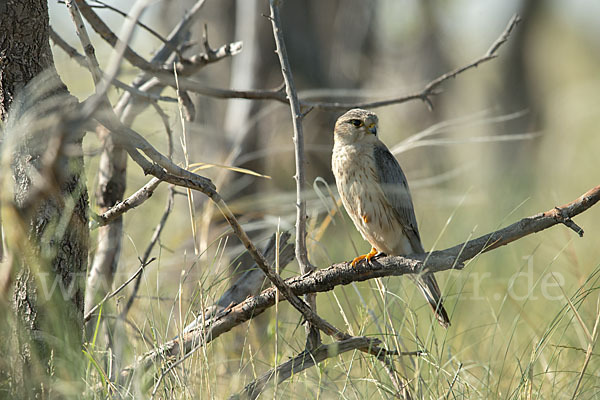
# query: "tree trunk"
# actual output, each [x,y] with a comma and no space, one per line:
[47,234]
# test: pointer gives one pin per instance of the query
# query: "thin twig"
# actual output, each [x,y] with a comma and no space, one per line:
[139,23]
[165,119]
[136,199]
[112,294]
[512,23]
[313,338]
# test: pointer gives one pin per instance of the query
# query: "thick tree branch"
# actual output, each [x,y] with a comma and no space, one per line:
[343,274]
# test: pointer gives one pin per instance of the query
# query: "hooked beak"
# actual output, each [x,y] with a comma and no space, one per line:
[373,129]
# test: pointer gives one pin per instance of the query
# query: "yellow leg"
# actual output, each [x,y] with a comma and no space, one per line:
[368,256]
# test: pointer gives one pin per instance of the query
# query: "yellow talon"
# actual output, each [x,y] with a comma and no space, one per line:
[368,256]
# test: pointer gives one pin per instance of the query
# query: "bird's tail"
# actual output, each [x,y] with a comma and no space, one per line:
[431,291]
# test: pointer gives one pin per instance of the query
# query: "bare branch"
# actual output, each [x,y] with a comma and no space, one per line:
[81,60]
[104,31]
[277,94]
[185,67]
[71,51]
[489,55]
[136,199]
[313,338]
[512,23]
[424,95]
[90,52]
[139,23]
[525,227]
[430,88]
[112,294]
[161,166]
[165,120]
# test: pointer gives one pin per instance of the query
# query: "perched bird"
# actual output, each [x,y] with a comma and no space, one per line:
[375,194]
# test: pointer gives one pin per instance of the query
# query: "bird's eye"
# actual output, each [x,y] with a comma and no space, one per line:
[356,122]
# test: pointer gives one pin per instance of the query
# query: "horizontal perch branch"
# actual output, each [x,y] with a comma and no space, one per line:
[343,273]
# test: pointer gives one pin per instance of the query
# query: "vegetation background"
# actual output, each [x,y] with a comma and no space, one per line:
[514,137]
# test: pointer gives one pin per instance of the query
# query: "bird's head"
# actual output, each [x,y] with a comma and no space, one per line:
[356,126]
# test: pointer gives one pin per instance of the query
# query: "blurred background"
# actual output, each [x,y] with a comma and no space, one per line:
[511,138]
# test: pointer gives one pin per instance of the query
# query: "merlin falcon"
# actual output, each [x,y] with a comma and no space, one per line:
[375,194]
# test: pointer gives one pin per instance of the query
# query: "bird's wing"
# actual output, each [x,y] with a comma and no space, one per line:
[395,187]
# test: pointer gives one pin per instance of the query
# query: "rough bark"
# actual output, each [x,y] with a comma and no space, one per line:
[49,236]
